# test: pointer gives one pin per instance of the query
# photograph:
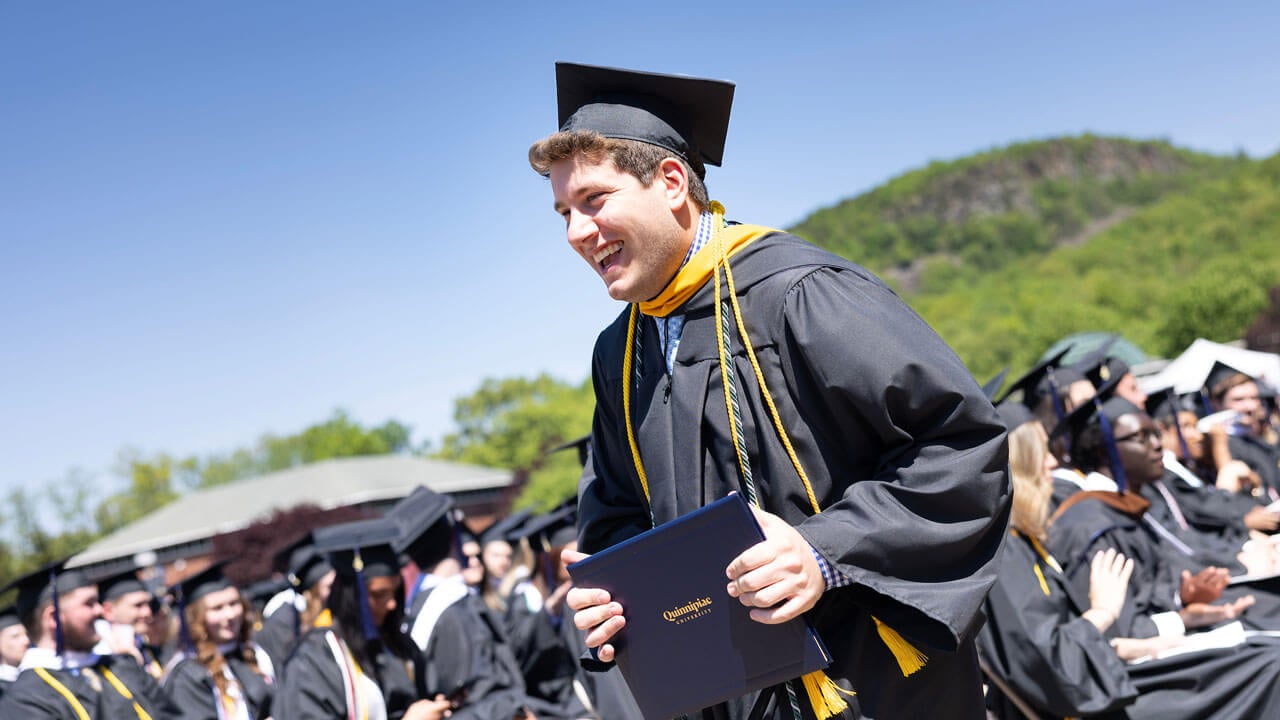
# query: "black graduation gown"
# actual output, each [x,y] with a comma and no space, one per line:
[279,635]
[1091,525]
[1211,509]
[607,691]
[1058,662]
[31,698]
[468,660]
[905,456]
[546,663]
[1262,458]
[190,687]
[1211,548]
[312,689]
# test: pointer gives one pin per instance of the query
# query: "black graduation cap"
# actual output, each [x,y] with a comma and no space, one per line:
[9,616]
[1098,367]
[1014,415]
[114,587]
[1102,410]
[370,540]
[583,445]
[556,528]
[992,386]
[1219,373]
[302,564]
[1046,378]
[260,593]
[687,115]
[359,550]
[47,584]
[503,529]
[415,514]
[209,580]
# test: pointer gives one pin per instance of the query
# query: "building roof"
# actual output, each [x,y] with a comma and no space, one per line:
[328,484]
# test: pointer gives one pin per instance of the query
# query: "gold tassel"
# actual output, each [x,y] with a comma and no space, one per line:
[824,695]
[909,658]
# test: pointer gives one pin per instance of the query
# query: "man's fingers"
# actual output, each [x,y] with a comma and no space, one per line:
[601,633]
[753,557]
[580,598]
[784,612]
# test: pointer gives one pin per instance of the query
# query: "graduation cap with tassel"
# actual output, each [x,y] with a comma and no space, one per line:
[47,584]
[360,550]
[1102,410]
[192,589]
[1166,404]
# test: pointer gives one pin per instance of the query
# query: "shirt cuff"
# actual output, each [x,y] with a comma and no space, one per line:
[1169,624]
[831,576]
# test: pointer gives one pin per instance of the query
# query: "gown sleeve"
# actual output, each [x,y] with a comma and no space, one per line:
[918,531]
[312,685]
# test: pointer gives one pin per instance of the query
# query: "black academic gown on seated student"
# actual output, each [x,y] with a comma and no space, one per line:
[1208,508]
[467,659]
[31,697]
[191,688]
[279,635]
[1037,642]
[1094,523]
[546,663]
[904,453]
[312,686]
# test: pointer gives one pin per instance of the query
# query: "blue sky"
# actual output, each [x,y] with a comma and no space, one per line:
[224,219]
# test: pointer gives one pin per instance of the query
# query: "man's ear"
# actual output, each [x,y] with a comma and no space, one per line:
[675,182]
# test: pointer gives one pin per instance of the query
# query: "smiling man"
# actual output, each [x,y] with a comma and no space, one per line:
[876,460]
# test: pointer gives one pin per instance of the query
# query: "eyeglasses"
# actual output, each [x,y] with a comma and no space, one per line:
[1150,436]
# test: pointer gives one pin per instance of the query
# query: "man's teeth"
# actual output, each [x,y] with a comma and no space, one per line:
[607,252]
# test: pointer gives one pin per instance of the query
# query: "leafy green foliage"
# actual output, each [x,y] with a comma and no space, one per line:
[514,422]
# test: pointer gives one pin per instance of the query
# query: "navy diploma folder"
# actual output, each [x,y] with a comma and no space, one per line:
[687,644]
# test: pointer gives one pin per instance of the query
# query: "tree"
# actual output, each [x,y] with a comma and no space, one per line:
[513,422]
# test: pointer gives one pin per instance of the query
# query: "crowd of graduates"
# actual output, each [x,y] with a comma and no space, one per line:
[1140,578]
[409,615]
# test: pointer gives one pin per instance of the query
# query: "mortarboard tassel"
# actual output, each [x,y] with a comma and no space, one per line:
[58,641]
[184,632]
[1113,453]
[909,658]
[825,695]
[366,616]
[1205,408]
[1177,424]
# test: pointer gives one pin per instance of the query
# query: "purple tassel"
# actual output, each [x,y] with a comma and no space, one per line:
[1113,453]
[1177,424]
[366,615]
[58,640]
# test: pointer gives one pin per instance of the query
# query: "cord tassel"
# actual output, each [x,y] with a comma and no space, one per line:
[825,696]
[909,658]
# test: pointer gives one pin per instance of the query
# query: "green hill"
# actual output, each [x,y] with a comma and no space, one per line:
[1006,251]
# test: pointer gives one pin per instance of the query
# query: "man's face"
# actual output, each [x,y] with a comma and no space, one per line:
[130,609]
[625,230]
[80,608]
[1140,447]
[1243,398]
[497,558]
[13,644]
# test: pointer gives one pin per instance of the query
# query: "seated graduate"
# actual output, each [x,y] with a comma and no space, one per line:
[1055,648]
[1049,391]
[1203,505]
[61,675]
[464,655]
[218,672]
[13,645]
[1231,389]
[547,664]
[1172,589]
[126,616]
[290,613]
[355,663]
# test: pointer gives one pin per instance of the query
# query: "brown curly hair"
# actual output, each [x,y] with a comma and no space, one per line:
[206,649]
[636,158]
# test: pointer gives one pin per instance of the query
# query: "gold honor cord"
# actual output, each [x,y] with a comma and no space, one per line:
[77,707]
[823,693]
[1044,557]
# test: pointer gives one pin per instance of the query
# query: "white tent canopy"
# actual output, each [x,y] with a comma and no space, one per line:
[1188,371]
